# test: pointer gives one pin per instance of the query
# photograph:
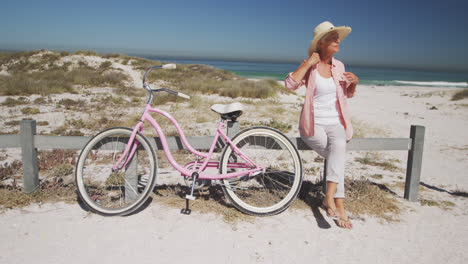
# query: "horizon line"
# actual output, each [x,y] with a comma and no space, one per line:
[248,59]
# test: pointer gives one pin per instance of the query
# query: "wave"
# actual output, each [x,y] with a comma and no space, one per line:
[456,84]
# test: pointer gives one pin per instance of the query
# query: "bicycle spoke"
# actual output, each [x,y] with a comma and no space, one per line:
[121,191]
[273,190]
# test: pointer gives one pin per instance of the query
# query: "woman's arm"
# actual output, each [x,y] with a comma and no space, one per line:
[296,78]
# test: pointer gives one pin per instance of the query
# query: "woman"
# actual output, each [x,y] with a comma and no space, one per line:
[325,124]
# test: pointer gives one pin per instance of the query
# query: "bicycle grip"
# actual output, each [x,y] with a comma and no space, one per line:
[183,95]
[170,66]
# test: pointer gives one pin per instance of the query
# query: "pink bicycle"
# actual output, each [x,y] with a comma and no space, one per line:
[260,170]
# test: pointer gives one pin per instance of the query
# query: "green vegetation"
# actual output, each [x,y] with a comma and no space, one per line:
[86,52]
[363,129]
[105,65]
[30,111]
[363,197]
[372,159]
[366,197]
[42,123]
[40,100]
[63,170]
[10,102]
[460,95]
[43,73]
[283,127]
[445,205]
[12,123]
[72,104]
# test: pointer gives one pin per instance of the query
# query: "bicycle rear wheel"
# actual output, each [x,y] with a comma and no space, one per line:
[115,193]
[266,193]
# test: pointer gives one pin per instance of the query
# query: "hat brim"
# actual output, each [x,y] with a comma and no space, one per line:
[342,34]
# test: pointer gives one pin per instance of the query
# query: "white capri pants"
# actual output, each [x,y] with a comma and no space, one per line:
[329,141]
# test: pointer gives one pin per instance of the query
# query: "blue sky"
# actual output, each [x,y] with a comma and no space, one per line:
[423,34]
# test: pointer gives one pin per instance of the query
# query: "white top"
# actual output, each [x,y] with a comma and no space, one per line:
[325,102]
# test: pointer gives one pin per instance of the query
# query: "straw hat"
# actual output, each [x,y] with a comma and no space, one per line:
[322,29]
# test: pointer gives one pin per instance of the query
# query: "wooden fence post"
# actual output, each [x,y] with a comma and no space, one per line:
[324,180]
[29,156]
[413,168]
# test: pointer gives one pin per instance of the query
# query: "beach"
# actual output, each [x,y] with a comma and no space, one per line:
[60,231]
[431,230]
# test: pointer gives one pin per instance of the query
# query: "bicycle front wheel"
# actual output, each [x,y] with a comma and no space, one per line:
[266,193]
[123,191]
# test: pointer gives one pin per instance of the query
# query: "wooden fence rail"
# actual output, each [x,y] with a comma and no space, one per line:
[29,142]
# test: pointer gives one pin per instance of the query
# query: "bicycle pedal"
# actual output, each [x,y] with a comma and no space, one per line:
[190,197]
[185,211]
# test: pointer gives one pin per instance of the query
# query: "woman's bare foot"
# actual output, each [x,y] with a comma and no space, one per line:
[343,221]
[330,207]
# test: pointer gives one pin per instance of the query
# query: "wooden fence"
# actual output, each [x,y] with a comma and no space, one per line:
[29,142]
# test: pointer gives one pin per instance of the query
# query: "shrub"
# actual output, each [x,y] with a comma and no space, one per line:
[365,197]
[372,160]
[10,169]
[12,123]
[63,169]
[105,65]
[40,100]
[460,95]
[44,83]
[30,111]
[86,52]
[14,102]
[111,55]
[70,103]
[64,53]
[49,159]
[42,123]
[283,127]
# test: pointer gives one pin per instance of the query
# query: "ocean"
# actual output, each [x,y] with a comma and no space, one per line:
[367,75]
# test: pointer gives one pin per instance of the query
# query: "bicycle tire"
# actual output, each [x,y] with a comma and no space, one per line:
[267,193]
[115,193]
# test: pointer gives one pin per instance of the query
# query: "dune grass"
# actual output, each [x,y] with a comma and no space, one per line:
[41,73]
[460,95]
[10,102]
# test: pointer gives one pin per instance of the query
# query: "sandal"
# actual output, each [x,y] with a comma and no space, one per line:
[346,223]
[333,215]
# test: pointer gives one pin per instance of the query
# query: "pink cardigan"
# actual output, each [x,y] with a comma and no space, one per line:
[306,122]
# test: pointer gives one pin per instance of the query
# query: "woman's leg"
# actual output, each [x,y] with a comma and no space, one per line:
[335,168]
[336,159]
[319,143]
[344,221]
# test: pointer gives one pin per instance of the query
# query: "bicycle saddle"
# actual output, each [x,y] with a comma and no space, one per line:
[230,111]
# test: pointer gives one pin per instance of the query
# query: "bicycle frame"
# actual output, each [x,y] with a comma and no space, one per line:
[131,147]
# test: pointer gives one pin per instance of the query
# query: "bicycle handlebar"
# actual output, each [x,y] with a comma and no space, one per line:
[148,88]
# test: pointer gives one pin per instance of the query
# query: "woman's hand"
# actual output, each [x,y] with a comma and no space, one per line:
[351,77]
[313,59]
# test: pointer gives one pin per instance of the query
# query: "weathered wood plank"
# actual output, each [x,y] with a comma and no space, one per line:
[377,144]
[76,142]
[60,142]
[10,141]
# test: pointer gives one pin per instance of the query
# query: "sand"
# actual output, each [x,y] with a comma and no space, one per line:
[67,233]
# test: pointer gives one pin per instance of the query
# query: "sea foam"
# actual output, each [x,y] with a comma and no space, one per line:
[458,84]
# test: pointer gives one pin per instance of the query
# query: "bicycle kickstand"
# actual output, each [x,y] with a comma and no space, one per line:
[187,210]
